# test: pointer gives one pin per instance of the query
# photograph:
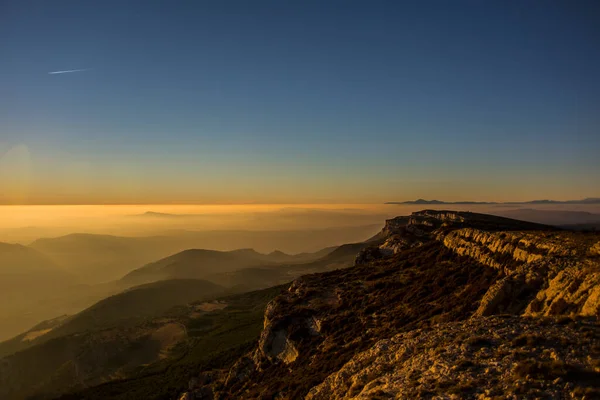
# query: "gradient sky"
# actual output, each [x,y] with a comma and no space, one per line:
[298,101]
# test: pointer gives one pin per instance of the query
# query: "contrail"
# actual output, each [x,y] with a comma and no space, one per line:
[66,71]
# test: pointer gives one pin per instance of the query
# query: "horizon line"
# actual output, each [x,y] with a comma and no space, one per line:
[399,202]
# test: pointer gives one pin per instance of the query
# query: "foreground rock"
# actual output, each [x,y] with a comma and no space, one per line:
[509,357]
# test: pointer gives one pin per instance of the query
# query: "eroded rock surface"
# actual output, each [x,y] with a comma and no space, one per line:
[479,358]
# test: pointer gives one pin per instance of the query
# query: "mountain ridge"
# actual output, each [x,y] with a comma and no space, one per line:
[425,270]
[200,263]
[588,200]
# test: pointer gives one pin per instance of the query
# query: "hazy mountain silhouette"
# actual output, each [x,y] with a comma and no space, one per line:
[96,258]
[590,200]
[26,277]
[84,266]
[118,322]
[154,214]
[198,263]
[17,259]
[265,276]
[103,257]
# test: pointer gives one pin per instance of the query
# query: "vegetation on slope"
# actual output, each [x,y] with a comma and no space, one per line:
[357,306]
[124,309]
[215,340]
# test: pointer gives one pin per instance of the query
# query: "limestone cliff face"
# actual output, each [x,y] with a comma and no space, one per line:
[402,233]
[500,249]
[547,273]
[497,250]
[573,291]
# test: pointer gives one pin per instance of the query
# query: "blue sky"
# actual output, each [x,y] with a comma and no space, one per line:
[305,101]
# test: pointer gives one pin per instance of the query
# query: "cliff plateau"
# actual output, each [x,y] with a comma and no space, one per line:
[442,304]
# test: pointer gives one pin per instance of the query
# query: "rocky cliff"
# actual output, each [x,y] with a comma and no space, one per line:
[433,281]
[491,357]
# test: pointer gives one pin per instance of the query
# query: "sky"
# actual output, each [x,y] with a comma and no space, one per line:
[177,102]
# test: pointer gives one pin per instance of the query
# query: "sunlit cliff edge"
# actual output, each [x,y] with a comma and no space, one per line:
[442,304]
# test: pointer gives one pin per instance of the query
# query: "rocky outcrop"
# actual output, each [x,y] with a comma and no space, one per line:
[497,250]
[480,358]
[277,341]
[394,225]
[276,344]
[459,219]
[548,273]
[573,291]
[595,249]
[322,320]
[423,271]
[506,249]
[406,232]
[509,295]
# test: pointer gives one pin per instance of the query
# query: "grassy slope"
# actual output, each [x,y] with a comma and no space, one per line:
[139,302]
[216,340]
[125,308]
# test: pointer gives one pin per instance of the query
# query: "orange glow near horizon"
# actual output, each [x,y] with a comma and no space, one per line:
[56,220]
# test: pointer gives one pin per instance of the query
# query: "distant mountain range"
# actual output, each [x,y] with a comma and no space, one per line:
[199,263]
[154,214]
[152,326]
[589,200]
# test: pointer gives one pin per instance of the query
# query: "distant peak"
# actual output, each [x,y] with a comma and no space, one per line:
[155,214]
[245,251]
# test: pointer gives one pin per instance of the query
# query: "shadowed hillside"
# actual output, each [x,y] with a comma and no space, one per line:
[146,357]
[126,308]
[197,263]
[130,320]
[26,276]
[218,333]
